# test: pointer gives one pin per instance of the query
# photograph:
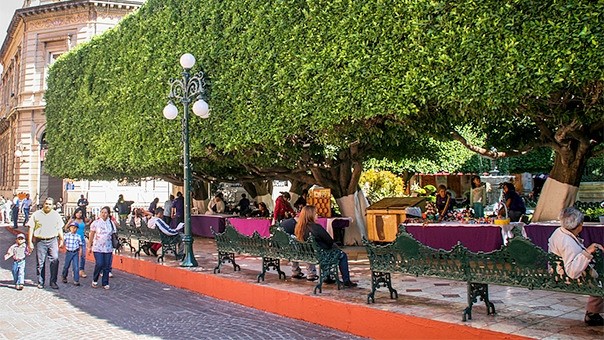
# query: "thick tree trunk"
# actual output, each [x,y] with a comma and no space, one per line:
[560,189]
[296,189]
[342,177]
[354,206]
[260,191]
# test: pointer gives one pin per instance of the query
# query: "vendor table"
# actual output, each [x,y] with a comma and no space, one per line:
[247,226]
[539,232]
[200,224]
[475,237]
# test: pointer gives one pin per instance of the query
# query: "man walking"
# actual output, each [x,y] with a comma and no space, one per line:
[46,227]
[25,207]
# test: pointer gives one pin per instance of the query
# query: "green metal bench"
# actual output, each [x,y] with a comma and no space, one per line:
[520,263]
[169,244]
[280,246]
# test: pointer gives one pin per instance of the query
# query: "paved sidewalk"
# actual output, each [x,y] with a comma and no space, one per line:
[134,307]
[520,312]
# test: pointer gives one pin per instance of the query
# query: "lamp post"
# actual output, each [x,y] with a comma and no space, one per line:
[187,90]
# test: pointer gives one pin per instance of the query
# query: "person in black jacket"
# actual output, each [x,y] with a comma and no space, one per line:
[306,226]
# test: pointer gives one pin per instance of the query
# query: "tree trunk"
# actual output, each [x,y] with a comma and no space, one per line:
[561,188]
[354,206]
[260,191]
[342,177]
[296,189]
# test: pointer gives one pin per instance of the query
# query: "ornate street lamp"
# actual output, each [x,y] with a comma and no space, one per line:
[187,90]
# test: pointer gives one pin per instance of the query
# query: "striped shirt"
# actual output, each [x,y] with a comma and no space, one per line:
[73,242]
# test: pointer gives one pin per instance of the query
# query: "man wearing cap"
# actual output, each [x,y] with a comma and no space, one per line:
[46,227]
[283,209]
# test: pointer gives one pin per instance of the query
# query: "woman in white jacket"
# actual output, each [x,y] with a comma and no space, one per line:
[565,243]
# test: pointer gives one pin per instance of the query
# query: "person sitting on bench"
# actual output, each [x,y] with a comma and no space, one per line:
[174,235]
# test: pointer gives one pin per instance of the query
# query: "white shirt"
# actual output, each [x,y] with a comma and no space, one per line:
[570,248]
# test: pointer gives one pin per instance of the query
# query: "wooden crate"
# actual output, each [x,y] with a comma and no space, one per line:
[321,199]
[383,217]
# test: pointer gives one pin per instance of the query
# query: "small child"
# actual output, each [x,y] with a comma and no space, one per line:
[18,251]
[73,243]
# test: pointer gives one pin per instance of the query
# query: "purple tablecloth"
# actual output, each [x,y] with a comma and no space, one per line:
[475,237]
[200,224]
[539,233]
[247,226]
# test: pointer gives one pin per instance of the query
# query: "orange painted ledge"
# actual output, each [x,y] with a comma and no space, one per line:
[351,318]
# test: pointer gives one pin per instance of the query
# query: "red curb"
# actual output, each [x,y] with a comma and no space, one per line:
[347,317]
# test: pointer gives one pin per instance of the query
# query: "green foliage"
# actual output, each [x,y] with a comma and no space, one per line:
[594,213]
[380,184]
[284,74]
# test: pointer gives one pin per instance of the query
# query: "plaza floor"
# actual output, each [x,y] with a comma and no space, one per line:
[425,308]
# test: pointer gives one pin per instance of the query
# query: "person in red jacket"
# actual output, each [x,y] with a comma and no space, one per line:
[283,209]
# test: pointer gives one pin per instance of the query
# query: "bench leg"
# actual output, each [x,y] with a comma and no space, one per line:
[476,290]
[381,279]
[267,264]
[223,257]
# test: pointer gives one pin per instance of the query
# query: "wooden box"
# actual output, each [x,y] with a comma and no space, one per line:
[383,217]
[321,199]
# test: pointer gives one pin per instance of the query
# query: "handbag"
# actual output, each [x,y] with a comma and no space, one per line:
[115,241]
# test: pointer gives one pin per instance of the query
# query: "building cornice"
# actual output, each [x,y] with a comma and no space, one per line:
[25,13]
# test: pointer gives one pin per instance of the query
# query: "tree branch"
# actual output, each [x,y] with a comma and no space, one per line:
[491,154]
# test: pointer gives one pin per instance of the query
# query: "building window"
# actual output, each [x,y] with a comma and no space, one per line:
[50,59]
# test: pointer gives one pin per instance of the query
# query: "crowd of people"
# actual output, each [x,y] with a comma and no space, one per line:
[48,232]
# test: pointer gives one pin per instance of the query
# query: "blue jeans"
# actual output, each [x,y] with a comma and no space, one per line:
[343,264]
[19,272]
[83,256]
[72,256]
[47,249]
[26,214]
[103,263]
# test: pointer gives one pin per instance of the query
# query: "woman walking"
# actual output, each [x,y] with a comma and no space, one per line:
[100,245]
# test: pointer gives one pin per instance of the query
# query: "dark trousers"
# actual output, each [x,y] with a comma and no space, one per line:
[15,217]
[103,264]
[47,249]
[25,216]
[343,264]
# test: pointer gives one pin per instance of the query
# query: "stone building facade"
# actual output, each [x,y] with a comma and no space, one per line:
[40,32]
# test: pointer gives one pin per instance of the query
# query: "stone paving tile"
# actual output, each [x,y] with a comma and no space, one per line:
[134,307]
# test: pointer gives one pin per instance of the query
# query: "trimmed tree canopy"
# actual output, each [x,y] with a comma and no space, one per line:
[301,86]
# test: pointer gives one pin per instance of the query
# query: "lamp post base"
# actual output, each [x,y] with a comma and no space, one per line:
[189,258]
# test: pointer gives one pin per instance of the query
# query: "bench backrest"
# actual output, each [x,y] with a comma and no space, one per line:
[519,263]
[279,245]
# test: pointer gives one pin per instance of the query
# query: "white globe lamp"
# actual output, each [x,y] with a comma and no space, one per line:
[170,111]
[187,61]
[201,109]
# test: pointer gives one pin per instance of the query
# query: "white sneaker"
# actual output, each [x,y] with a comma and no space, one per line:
[110,274]
[106,287]
[95,284]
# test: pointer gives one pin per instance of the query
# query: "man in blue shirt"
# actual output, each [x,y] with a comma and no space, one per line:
[26,206]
